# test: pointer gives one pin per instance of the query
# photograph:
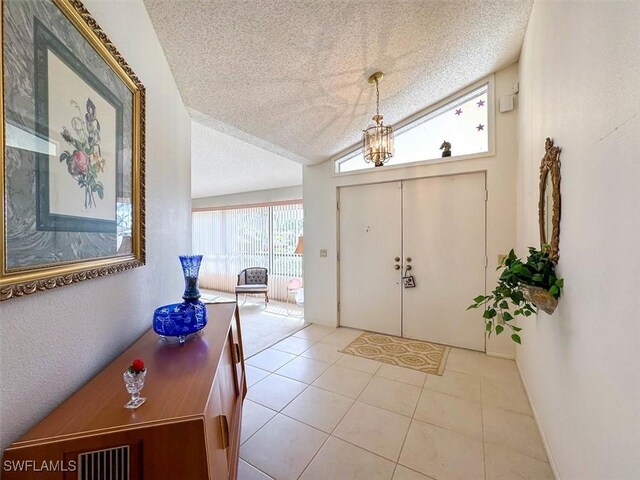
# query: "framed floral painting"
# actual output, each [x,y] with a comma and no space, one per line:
[72,169]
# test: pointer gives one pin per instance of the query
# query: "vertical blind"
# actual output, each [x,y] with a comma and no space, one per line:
[232,239]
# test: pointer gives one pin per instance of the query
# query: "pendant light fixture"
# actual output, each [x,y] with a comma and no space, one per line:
[378,138]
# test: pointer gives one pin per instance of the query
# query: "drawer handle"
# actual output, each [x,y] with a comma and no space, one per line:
[236,353]
[224,431]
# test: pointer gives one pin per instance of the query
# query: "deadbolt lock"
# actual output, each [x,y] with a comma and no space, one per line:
[408,259]
[397,259]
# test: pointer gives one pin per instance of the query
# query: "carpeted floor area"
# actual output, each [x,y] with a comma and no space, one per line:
[262,327]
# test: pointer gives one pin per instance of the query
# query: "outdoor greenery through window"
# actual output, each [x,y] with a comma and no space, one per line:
[232,239]
[463,122]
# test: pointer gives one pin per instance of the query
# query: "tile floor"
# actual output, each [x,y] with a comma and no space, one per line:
[312,412]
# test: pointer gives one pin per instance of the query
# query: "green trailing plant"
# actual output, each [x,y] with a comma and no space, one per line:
[507,301]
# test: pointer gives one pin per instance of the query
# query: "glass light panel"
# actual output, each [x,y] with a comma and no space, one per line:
[463,122]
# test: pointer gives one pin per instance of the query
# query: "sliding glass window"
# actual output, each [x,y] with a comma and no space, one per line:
[232,239]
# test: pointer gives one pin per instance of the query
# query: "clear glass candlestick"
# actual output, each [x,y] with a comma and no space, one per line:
[134,383]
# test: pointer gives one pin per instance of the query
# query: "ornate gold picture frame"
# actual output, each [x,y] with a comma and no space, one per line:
[549,203]
[73,142]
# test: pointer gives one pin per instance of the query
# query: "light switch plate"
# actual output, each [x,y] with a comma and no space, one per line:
[323,252]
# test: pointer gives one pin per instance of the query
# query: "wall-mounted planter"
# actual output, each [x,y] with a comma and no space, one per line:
[540,297]
[515,296]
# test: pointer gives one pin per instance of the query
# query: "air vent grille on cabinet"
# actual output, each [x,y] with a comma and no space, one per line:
[108,464]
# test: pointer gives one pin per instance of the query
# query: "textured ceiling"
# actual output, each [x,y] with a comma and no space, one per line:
[222,164]
[293,73]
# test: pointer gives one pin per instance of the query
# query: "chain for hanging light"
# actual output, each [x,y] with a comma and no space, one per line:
[377,138]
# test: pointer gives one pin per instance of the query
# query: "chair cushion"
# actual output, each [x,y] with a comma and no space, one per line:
[255,288]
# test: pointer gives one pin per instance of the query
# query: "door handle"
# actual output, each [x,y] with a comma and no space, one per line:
[397,267]
[408,267]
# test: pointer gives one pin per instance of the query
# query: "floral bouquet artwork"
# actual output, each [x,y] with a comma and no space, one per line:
[134,380]
[85,163]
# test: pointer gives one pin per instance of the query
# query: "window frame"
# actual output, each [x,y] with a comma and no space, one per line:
[418,116]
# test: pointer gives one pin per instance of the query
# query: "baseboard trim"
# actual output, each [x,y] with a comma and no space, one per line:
[500,355]
[552,462]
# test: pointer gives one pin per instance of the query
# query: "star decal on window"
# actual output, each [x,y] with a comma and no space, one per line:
[480,103]
[480,127]
[458,111]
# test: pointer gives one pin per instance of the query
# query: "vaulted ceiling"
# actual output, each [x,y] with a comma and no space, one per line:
[293,73]
[222,164]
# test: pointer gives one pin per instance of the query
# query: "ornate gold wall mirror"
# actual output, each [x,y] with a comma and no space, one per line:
[549,202]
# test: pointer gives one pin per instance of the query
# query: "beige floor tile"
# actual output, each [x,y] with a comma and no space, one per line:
[254,416]
[249,472]
[254,375]
[503,464]
[315,333]
[442,454]
[453,413]
[402,374]
[465,361]
[391,395]
[403,473]
[338,460]
[505,393]
[270,359]
[319,408]
[342,337]
[283,447]
[513,431]
[343,381]
[303,369]
[275,392]
[358,363]
[500,368]
[323,352]
[374,429]
[294,345]
[455,383]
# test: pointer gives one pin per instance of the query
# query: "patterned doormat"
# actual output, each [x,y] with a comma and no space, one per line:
[423,356]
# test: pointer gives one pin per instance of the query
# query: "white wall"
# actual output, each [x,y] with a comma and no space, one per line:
[52,342]
[248,198]
[320,187]
[580,84]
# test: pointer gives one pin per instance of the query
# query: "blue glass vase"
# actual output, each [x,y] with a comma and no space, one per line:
[190,269]
[182,319]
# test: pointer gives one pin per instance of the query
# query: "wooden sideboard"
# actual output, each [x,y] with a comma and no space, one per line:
[188,429]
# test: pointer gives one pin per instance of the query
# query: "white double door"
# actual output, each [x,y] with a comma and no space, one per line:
[435,227]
